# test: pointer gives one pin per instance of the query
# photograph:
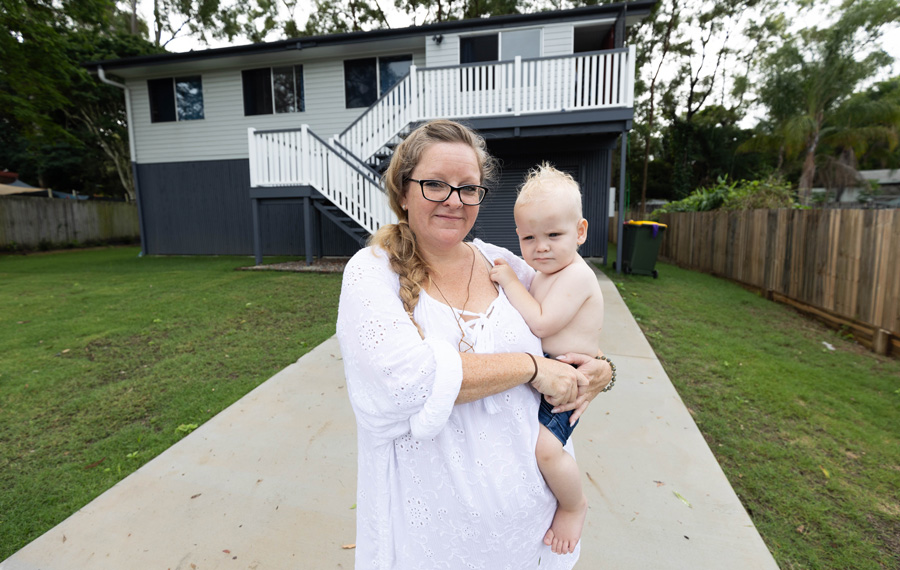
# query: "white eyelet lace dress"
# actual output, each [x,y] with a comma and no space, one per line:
[440,486]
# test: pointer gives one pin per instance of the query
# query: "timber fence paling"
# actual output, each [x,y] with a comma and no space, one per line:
[37,222]
[843,263]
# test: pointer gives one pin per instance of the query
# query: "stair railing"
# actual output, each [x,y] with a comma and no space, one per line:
[282,157]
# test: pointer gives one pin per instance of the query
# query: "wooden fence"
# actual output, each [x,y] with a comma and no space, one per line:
[841,265]
[30,223]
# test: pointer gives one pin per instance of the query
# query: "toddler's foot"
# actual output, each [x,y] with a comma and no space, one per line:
[565,531]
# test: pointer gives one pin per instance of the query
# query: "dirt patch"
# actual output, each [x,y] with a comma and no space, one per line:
[323,265]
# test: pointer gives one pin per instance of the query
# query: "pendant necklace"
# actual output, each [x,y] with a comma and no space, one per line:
[464,345]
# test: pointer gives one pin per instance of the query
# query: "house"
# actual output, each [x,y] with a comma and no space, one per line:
[275,148]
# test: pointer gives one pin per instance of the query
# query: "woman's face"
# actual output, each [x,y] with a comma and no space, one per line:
[442,225]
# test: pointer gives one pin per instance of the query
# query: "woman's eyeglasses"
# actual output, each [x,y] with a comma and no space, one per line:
[439,191]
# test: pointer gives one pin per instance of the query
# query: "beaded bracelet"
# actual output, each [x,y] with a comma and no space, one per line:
[613,367]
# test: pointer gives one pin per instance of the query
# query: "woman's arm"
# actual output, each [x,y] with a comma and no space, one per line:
[598,374]
[488,374]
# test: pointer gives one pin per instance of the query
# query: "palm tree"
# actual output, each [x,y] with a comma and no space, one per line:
[814,72]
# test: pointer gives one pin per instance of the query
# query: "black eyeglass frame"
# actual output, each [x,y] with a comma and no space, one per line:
[450,192]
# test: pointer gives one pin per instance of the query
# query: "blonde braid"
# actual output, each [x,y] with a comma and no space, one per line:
[399,242]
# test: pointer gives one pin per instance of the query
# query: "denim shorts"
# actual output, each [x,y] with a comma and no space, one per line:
[558,424]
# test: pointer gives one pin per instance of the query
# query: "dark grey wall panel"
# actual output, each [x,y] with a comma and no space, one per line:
[204,208]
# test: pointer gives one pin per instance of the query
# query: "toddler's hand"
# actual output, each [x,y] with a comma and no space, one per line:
[502,273]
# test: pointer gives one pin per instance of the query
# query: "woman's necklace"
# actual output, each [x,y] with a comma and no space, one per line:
[464,345]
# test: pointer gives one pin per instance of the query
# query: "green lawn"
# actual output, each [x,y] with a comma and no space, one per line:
[808,437]
[107,359]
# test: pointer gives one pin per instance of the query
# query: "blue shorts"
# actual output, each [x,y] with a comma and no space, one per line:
[558,424]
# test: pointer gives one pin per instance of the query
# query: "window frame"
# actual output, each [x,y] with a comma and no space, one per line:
[379,92]
[267,93]
[173,112]
[499,35]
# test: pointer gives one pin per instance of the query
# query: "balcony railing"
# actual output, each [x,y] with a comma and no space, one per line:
[595,80]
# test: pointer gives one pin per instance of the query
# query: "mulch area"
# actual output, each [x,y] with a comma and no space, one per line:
[324,265]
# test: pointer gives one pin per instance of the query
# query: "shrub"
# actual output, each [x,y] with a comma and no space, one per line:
[740,195]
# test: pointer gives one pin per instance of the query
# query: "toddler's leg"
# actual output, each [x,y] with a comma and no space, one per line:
[564,479]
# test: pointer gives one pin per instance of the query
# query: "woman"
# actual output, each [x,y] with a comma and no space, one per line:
[437,364]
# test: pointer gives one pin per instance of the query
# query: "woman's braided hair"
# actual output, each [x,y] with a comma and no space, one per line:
[398,240]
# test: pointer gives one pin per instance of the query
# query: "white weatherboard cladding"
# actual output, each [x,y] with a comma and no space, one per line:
[222,134]
[443,54]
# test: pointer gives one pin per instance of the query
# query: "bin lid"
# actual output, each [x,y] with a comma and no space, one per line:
[645,223]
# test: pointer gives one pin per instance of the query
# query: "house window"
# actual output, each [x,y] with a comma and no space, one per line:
[175,99]
[368,78]
[273,89]
[525,43]
[504,46]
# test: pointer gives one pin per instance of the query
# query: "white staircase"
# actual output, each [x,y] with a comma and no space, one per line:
[339,168]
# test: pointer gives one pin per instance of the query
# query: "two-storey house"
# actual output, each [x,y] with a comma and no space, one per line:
[275,148]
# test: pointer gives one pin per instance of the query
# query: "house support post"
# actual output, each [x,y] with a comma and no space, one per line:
[320,235]
[308,229]
[620,230]
[257,238]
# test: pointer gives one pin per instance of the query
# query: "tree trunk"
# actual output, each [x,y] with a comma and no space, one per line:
[809,172]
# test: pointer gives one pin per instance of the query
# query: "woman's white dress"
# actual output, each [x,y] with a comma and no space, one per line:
[439,485]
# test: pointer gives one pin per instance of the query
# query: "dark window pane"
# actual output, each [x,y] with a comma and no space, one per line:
[162,100]
[284,89]
[590,38]
[360,85]
[257,91]
[392,69]
[189,98]
[474,49]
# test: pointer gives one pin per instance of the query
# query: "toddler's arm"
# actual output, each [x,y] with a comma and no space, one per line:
[558,307]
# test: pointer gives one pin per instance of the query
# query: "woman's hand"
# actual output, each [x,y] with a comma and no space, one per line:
[596,373]
[558,382]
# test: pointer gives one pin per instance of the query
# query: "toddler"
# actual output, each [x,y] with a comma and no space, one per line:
[565,309]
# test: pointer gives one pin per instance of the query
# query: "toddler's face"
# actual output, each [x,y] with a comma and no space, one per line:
[549,234]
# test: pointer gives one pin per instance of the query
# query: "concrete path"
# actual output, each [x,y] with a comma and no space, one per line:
[270,482]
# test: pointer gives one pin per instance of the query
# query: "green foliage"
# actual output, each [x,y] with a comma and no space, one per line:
[760,195]
[771,193]
[446,10]
[816,70]
[59,126]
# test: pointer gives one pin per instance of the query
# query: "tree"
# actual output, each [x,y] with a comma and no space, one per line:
[61,127]
[432,11]
[341,16]
[700,52]
[816,70]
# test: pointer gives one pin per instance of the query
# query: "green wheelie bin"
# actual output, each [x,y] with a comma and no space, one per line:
[640,246]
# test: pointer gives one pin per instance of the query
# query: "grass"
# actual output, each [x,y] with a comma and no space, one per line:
[808,437]
[107,359]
